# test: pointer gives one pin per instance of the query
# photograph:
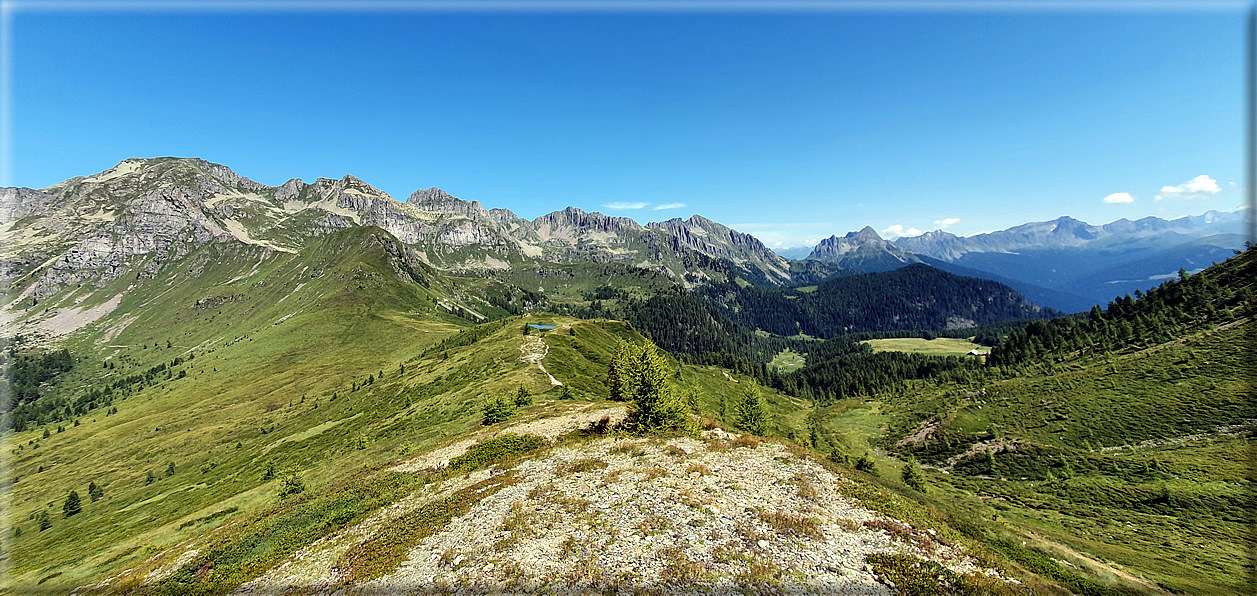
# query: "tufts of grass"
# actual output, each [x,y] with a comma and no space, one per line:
[760,575]
[699,468]
[587,464]
[793,524]
[806,490]
[902,533]
[629,448]
[911,575]
[747,441]
[679,567]
[717,445]
[495,450]
[731,552]
[654,524]
[382,553]
[652,473]
[612,477]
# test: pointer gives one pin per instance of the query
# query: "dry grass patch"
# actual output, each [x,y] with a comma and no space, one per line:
[806,490]
[654,524]
[849,525]
[587,464]
[751,533]
[746,441]
[731,552]
[691,499]
[611,477]
[717,445]
[630,449]
[652,473]
[567,548]
[760,575]
[792,524]
[679,567]
[903,533]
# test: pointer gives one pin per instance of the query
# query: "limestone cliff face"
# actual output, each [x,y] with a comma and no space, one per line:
[715,240]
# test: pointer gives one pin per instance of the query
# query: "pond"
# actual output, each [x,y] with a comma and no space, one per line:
[536,326]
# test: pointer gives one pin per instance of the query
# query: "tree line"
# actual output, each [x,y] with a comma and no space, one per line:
[1217,295]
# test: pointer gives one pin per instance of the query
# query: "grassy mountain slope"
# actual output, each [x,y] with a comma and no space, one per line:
[1129,458]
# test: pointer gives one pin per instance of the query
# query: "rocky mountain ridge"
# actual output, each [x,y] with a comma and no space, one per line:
[863,251]
[1067,232]
[143,213]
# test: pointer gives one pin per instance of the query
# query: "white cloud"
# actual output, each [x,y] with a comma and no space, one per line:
[669,206]
[1119,197]
[1200,187]
[946,221]
[622,206]
[897,230]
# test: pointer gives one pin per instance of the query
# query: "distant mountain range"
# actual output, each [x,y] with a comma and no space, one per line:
[144,214]
[1064,263]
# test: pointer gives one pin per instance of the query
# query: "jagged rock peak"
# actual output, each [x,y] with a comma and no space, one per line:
[351,181]
[579,218]
[865,235]
[435,199]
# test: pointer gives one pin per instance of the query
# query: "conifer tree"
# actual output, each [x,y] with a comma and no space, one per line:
[752,409]
[72,504]
[641,374]
[912,476]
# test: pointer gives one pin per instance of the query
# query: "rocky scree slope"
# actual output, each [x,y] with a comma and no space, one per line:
[720,515]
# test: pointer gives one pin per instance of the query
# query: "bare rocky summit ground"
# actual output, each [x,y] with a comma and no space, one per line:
[723,514]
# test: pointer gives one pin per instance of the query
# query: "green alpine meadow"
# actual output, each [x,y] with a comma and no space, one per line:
[216,386]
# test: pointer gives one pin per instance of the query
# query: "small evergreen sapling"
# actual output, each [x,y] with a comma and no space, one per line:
[752,409]
[523,397]
[913,477]
[72,505]
[497,409]
[867,465]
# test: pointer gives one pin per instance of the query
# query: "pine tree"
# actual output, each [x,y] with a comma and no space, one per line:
[523,397]
[95,492]
[752,409]
[72,504]
[641,374]
[496,409]
[912,476]
[291,485]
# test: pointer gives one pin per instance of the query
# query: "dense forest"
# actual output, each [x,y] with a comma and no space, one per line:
[1215,296]
[917,297]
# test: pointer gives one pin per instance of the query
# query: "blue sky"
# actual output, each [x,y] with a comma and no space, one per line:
[792,127]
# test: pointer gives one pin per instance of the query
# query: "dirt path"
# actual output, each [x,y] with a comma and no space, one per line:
[543,427]
[534,350]
[1097,564]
